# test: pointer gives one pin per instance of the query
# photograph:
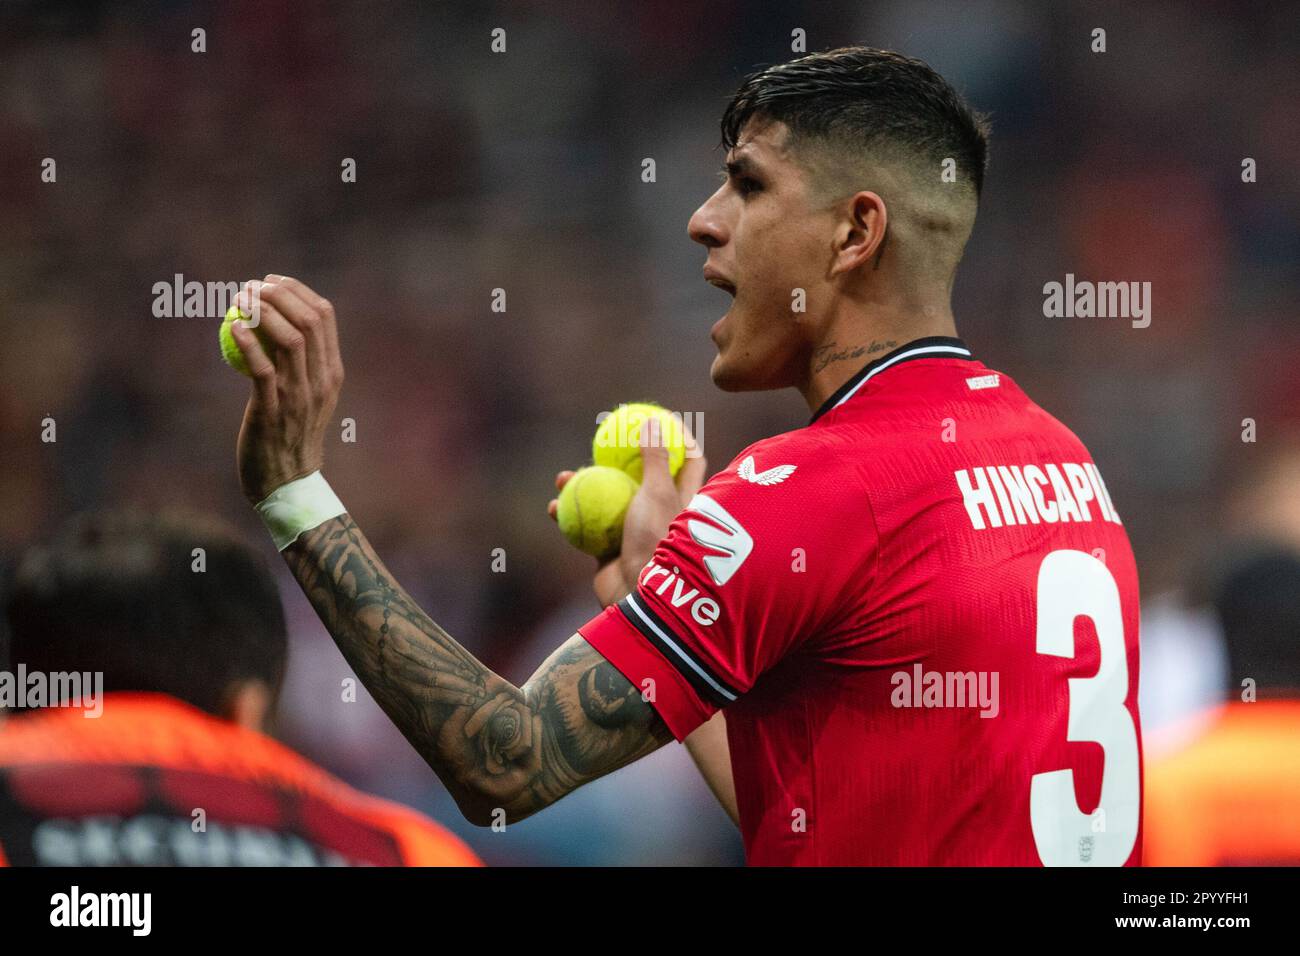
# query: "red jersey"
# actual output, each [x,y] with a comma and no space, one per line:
[921,615]
[130,787]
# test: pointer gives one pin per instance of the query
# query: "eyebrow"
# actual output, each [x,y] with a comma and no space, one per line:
[741,166]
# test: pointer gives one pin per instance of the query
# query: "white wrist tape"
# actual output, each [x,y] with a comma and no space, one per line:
[299,506]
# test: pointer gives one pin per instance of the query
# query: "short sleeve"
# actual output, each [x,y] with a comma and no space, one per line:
[753,568]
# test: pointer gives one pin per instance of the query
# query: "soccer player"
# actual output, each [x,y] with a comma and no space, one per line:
[918,614]
[172,765]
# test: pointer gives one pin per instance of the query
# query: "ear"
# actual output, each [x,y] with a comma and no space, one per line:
[861,234]
[247,703]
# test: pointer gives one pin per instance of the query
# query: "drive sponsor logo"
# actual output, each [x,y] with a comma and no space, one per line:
[721,534]
[705,610]
[726,544]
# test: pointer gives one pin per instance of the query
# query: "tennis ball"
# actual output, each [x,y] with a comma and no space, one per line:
[229,347]
[593,504]
[616,444]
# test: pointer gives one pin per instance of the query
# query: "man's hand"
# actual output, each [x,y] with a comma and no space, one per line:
[657,502]
[295,387]
[504,752]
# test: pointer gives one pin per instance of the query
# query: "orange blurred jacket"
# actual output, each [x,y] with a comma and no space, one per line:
[125,788]
[1232,796]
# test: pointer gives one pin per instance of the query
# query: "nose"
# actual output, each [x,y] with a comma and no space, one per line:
[706,225]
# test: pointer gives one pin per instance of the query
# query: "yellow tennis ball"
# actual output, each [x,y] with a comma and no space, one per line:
[617,441]
[593,504]
[229,347]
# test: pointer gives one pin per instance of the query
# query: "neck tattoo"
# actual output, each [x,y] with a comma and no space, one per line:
[824,355]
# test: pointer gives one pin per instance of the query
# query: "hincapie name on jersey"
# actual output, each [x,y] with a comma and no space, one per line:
[998,495]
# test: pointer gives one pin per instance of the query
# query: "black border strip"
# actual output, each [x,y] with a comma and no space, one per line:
[867,369]
[700,685]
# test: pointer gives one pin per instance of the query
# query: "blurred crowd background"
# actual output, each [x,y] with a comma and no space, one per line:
[522,171]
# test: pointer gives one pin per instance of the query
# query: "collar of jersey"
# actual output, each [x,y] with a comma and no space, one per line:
[932,346]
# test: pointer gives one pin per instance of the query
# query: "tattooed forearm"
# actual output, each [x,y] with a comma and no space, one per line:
[494,745]
[823,355]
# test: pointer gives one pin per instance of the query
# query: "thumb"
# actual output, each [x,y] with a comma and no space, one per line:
[656,476]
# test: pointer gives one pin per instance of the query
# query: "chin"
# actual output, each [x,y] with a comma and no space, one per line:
[729,378]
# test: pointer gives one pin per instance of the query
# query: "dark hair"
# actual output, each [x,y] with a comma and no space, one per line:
[1259,607]
[115,592]
[865,98]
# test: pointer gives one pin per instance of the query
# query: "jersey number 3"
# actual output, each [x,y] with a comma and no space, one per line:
[1073,584]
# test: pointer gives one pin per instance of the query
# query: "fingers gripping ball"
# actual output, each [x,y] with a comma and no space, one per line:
[230,348]
[592,506]
[617,441]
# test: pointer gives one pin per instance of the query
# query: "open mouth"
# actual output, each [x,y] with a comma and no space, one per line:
[721,283]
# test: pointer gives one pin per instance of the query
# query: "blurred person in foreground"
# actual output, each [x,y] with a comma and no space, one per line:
[172,767]
[920,612]
[1232,796]
[1184,658]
